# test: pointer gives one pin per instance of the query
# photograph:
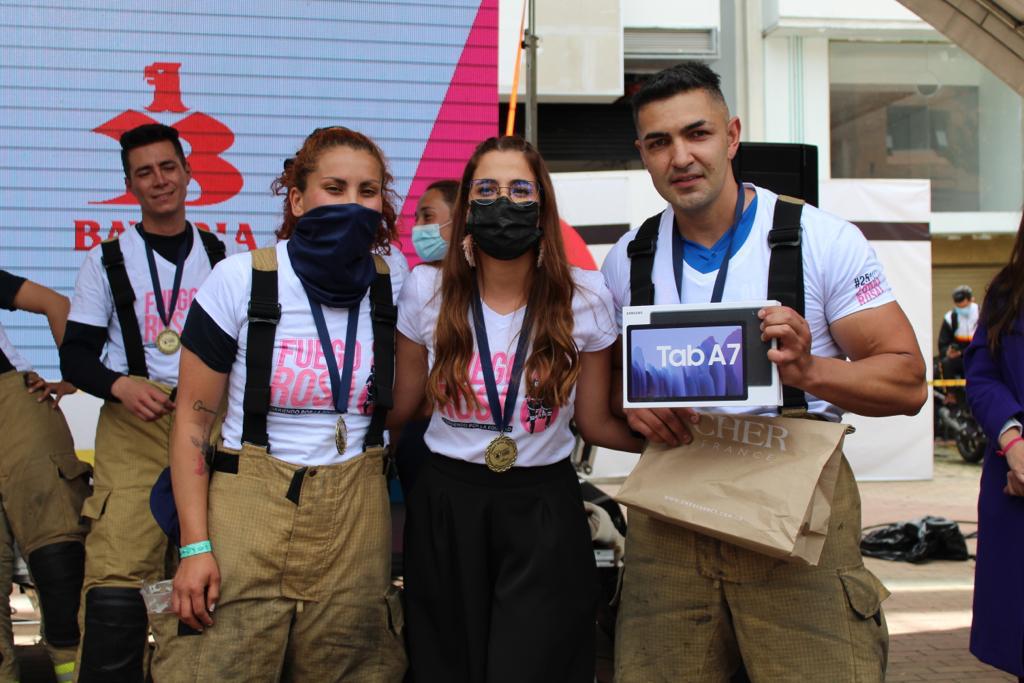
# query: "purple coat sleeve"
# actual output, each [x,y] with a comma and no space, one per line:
[989,390]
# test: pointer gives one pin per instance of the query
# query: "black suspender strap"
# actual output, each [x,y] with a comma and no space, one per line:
[786,278]
[641,262]
[213,246]
[124,304]
[384,315]
[264,314]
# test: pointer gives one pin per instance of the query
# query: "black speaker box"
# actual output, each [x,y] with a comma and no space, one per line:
[783,168]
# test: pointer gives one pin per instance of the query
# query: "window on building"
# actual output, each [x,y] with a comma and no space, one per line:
[926,110]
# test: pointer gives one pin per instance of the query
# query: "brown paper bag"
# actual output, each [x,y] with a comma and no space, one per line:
[765,483]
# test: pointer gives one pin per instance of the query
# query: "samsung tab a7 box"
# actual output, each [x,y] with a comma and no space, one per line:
[697,355]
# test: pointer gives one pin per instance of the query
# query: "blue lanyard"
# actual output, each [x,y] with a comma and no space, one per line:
[179,268]
[678,247]
[502,419]
[341,387]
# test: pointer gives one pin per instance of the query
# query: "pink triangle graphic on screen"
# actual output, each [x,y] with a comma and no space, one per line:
[468,115]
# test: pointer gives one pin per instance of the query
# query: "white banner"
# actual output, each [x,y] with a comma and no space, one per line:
[893,448]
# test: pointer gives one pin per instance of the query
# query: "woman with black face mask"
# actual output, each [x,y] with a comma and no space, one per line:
[510,343]
[285,524]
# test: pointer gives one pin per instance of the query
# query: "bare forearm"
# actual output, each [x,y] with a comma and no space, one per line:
[612,432]
[200,390]
[36,298]
[58,319]
[189,470]
[876,386]
[615,397]
[1008,436]
[594,411]
[410,382]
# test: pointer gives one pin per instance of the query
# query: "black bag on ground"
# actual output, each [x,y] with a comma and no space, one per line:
[927,538]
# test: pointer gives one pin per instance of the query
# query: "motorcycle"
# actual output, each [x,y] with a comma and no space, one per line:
[954,420]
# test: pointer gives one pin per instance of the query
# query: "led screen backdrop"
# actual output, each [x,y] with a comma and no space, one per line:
[243,83]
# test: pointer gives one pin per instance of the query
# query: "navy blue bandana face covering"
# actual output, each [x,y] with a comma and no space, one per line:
[330,252]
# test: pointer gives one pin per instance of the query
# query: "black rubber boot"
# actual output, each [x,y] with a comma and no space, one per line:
[57,570]
[115,636]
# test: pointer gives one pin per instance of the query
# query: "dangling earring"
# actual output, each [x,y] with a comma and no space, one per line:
[540,255]
[467,251]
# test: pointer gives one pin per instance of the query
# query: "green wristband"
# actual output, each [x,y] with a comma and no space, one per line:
[195,549]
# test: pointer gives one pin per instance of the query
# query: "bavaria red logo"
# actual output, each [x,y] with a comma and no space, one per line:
[206,137]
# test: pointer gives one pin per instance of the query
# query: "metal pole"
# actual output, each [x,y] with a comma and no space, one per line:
[530,101]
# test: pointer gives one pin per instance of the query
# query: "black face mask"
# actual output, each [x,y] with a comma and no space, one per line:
[503,229]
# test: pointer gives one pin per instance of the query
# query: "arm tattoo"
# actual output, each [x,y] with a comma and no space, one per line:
[206,449]
[199,406]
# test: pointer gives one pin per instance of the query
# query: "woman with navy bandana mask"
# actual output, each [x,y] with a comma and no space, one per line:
[508,343]
[285,524]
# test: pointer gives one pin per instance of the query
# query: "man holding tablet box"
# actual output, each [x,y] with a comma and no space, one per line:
[694,607]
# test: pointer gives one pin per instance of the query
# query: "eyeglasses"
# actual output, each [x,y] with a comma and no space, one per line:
[487,191]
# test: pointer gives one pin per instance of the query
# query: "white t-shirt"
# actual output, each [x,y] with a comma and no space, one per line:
[302,417]
[9,350]
[541,433]
[842,275]
[966,322]
[93,302]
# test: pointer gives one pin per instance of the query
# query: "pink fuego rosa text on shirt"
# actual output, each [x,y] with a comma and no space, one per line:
[534,417]
[301,378]
[152,325]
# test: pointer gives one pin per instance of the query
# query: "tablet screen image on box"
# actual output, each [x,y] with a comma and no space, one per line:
[697,355]
[687,362]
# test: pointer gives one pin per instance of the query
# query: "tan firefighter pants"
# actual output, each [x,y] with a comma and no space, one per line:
[42,482]
[693,607]
[304,556]
[125,546]
[8,665]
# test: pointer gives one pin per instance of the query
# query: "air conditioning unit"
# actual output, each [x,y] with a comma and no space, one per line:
[651,49]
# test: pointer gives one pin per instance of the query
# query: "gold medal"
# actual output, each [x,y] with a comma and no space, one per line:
[501,454]
[341,435]
[168,341]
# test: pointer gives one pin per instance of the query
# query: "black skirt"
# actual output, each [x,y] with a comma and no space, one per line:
[500,581]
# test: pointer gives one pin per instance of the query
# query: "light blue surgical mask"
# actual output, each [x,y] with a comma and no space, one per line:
[427,241]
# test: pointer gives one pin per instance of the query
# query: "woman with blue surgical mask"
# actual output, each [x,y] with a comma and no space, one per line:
[430,237]
[434,220]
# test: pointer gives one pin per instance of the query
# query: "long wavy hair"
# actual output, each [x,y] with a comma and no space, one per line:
[1005,295]
[297,169]
[552,366]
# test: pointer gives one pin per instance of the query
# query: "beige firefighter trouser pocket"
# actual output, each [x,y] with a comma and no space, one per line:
[692,605]
[42,483]
[125,546]
[42,488]
[304,555]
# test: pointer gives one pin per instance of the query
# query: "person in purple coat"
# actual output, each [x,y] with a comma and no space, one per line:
[995,389]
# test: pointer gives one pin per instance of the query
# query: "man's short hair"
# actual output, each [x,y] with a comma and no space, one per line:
[147,134]
[681,78]
[962,293]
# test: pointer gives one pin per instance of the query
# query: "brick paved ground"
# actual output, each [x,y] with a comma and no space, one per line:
[929,613]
